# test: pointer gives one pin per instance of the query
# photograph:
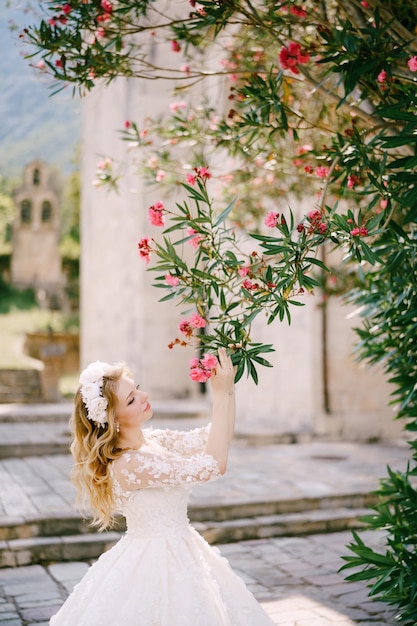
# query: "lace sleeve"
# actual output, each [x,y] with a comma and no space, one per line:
[185,443]
[137,470]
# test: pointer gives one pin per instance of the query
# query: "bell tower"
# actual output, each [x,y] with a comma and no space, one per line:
[35,259]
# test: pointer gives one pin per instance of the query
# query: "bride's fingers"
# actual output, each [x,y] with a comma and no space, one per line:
[225,361]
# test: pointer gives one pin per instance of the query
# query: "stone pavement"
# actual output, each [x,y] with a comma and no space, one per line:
[295,577]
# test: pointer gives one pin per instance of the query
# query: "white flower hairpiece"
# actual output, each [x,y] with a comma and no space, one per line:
[91,381]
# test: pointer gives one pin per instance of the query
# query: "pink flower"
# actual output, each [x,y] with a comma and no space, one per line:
[365,4]
[209,361]
[308,169]
[100,32]
[175,106]
[200,370]
[196,321]
[59,63]
[203,173]
[144,249]
[106,5]
[314,216]
[127,124]
[41,65]
[359,232]
[104,17]
[67,8]
[412,64]
[194,241]
[156,214]
[303,149]
[301,228]
[383,203]
[52,21]
[249,285]
[352,180]
[199,375]
[271,219]
[185,328]
[243,271]
[171,280]
[191,179]
[321,171]
[382,76]
[185,68]
[175,46]
[322,227]
[298,11]
[160,175]
[292,56]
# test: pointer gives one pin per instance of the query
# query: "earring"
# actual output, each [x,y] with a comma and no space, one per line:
[117,427]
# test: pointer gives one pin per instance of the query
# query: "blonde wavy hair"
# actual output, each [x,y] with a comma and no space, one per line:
[94,447]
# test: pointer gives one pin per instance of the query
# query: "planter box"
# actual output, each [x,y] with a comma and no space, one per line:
[65,346]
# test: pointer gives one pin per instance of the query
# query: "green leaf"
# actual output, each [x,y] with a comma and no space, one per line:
[224,214]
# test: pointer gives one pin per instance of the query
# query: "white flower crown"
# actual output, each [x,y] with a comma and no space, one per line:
[91,381]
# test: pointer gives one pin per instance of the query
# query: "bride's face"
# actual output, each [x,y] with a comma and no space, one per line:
[133,408]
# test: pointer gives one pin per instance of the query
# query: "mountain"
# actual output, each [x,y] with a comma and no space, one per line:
[33,124]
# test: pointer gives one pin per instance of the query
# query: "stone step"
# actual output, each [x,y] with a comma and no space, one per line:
[35,550]
[20,385]
[72,523]
[41,429]
[61,411]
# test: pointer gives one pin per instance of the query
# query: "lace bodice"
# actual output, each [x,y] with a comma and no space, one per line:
[151,485]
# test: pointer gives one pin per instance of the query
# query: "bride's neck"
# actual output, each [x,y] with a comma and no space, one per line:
[131,439]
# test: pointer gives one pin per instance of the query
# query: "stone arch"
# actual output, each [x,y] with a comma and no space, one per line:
[46,214]
[26,211]
[36,177]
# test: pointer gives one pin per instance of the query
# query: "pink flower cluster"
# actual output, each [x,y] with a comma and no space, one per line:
[271,219]
[107,7]
[172,281]
[250,285]
[412,64]
[292,56]
[316,222]
[194,241]
[186,327]
[382,77]
[321,171]
[359,231]
[156,214]
[297,11]
[200,172]
[353,180]
[144,249]
[201,370]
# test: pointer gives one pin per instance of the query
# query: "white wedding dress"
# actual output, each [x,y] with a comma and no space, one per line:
[161,572]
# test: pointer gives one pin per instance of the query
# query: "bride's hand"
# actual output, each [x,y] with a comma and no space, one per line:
[223,376]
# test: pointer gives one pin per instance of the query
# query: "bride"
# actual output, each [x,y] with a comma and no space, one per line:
[161,572]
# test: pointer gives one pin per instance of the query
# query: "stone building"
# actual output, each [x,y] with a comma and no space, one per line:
[35,260]
[315,389]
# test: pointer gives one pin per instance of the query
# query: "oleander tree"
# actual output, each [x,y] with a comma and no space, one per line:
[321,101]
